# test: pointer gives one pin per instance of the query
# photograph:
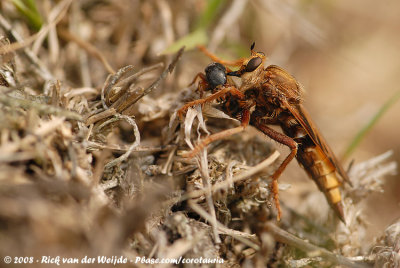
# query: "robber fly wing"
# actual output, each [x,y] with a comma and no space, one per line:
[304,119]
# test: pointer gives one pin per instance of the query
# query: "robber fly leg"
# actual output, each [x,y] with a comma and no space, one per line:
[220,93]
[221,135]
[285,140]
[200,76]
[213,57]
[203,84]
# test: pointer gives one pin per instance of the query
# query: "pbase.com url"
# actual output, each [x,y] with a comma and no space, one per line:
[179,260]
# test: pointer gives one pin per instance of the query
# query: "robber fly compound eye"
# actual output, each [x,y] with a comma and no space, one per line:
[253,64]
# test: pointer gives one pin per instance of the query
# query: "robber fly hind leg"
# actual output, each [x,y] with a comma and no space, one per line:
[285,140]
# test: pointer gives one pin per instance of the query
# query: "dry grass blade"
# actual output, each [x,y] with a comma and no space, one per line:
[132,147]
[287,238]
[169,69]
[230,16]
[92,50]
[62,10]
[41,108]
[244,175]
[247,239]
[42,70]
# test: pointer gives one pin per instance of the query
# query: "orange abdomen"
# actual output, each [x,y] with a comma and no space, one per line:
[319,167]
[317,164]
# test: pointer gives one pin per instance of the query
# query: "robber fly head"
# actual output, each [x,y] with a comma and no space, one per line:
[252,66]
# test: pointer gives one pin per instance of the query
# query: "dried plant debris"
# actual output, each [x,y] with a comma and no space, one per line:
[7,63]
[387,251]
[92,161]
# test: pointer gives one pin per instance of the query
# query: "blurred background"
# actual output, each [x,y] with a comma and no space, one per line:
[345,54]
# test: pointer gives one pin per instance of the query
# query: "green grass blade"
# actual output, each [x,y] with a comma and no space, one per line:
[28,9]
[190,41]
[199,35]
[209,14]
[364,131]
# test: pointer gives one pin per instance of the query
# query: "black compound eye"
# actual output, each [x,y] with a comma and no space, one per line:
[253,64]
[215,74]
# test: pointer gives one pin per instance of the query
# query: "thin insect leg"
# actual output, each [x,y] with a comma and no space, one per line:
[220,93]
[203,84]
[238,62]
[285,140]
[221,135]
[200,76]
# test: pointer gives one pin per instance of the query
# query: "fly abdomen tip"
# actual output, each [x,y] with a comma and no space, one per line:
[335,200]
[338,207]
